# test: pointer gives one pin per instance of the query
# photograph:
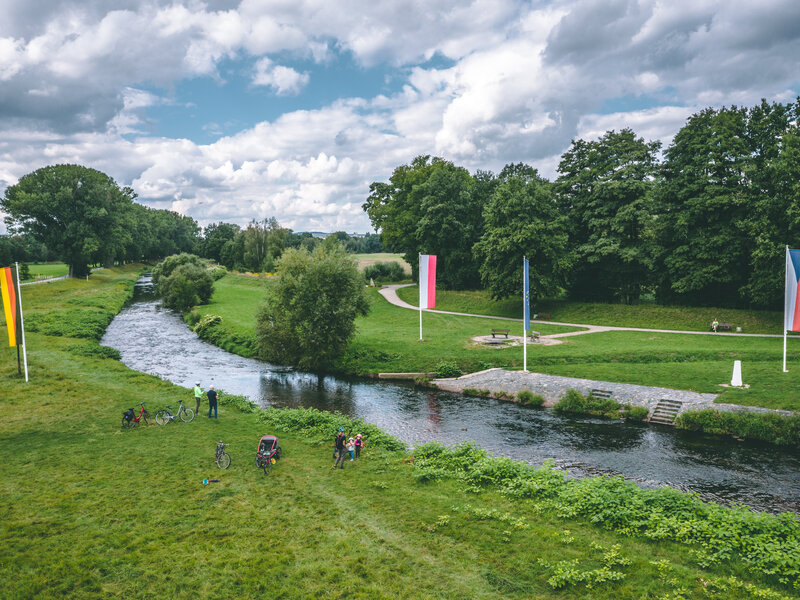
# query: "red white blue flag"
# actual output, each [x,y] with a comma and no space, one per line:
[791,307]
[427,280]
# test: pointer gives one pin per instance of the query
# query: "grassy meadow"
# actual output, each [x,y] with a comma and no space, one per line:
[45,270]
[388,341]
[95,511]
[365,260]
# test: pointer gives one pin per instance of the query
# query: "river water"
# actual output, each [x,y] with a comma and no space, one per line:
[157,341]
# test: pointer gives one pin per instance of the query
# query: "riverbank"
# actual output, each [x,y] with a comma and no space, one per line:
[95,511]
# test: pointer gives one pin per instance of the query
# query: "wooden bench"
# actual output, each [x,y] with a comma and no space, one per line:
[535,336]
[542,316]
[499,331]
[720,326]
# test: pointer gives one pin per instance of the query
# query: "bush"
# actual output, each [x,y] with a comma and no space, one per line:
[635,413]
[528,398]
[218,272]
[767,427]
[165,268]
[205,323]
[576,403]
[447,369]
[385,271]
[24,272]
[186,286]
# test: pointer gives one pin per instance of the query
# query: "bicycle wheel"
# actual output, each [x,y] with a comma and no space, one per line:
[224,460]
[162,416]
[187,414]
[125,423]
[279,453]
[146,417]
[134,422]
[267,466]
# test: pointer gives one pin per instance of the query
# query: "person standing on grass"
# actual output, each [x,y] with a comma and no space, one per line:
[338,448]
[359,443]
[351,448]
[198,395]
[212,401]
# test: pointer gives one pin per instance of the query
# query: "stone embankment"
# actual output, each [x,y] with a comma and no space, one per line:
[552,388]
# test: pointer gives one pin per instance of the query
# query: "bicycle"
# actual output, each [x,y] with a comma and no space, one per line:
[223,459]
[165,415]
[130,420]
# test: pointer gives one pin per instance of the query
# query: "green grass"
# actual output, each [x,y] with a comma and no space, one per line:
[44,270]
[94,511]
[388,341]
[647,315]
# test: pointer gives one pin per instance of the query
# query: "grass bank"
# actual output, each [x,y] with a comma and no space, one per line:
[45,270]
[646,314]
[93,511]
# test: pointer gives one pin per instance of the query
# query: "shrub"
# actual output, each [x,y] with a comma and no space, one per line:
[218,272]
[504,395]
[576,403]
[635,413]
[206,322]
[447,369]
[192,317]
[528,398]
[186,286]
[384,271]
[774,428]
[24,272]
[165,268]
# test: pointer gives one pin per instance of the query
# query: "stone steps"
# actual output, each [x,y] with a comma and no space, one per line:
[665,412]
[605,394]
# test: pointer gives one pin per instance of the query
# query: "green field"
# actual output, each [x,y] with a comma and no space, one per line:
[364,260]
[647,315]
[45,270]
[94,511]
[388,341]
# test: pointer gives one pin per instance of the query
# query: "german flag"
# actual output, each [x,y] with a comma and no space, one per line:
[9,303]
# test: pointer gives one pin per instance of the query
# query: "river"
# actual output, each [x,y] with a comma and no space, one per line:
[157,341]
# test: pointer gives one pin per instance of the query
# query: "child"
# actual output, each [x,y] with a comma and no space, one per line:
[351,447]
[359,443]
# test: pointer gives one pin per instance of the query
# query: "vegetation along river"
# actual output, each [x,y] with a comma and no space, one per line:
[157,341]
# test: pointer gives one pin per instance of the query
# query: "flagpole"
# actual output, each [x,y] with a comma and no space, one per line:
[22,324]
[785,370]
[420,323]
[524,331]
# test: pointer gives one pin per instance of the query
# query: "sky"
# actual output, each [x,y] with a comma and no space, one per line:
[232,111]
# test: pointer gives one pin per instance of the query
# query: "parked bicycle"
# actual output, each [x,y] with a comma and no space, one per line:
[165,415]
[223,459]
[131,420]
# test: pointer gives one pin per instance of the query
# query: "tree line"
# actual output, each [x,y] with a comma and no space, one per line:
[82,217]
[703,223]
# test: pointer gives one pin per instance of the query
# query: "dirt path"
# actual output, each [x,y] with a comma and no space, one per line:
[390,293]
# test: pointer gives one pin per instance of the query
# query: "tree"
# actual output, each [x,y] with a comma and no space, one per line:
[521,218]
[75,211]
[183,281]
[604,193]
[215,236]
[430,207]
[308,317]
[702,204]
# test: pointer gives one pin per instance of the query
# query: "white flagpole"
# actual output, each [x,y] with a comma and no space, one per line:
[22,324]
[524,331]
[420,323]
[785,370]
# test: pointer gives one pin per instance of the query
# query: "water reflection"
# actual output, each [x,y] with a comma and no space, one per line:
[157,341]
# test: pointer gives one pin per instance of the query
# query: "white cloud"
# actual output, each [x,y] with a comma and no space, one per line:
[284,80]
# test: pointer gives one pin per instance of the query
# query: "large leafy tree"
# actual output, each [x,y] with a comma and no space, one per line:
[703,206]
[77,212]
[308,316]
[604,192]
[215,236]
[430,207]
[521,218]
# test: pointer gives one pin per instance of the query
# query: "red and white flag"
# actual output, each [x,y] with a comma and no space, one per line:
[427,281]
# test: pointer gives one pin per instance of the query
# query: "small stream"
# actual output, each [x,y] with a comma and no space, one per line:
[157,341]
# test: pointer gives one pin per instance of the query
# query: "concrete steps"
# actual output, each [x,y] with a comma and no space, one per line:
[665,412]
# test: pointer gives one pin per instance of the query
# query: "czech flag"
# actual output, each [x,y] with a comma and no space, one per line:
[427,281]
[9,304]
[791,307]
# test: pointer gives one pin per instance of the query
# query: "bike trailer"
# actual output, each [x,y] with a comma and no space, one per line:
[268,447]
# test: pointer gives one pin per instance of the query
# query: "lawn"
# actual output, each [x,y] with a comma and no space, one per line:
[648,315]
[45,270]
[94,511]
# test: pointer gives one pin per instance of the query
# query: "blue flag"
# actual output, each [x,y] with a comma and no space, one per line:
[526,295]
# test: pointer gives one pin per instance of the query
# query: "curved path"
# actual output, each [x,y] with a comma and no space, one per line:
[390,293]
